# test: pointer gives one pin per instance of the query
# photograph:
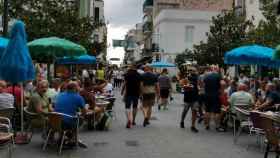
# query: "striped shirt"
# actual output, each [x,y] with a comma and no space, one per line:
[6,100]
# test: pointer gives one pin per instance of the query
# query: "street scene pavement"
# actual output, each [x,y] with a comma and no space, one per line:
[162,139]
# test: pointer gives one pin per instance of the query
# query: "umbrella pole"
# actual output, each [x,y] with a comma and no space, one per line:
[49,73]
[21,109]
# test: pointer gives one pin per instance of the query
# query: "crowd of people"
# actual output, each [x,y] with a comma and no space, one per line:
[207,92]
[211,94]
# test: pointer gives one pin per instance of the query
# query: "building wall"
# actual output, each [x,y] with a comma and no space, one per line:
[253,10]
[170,26]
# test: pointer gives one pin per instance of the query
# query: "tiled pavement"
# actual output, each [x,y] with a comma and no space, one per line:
[162,139]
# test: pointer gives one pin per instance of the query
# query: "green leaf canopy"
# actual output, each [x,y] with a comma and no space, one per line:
[46,50]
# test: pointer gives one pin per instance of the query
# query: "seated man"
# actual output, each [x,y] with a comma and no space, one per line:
[6,99]
[272,97]
[241,98]
[69,102]
[39,102]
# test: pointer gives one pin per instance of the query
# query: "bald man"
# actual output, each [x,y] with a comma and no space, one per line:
[6,99]
[241,98]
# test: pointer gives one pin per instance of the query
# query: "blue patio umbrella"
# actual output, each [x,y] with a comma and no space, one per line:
[15,64]
[251,55]
[162,64]
[3,45]
[84,59]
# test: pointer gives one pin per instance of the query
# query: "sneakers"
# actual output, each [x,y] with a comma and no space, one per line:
[146,122]
[194,130]
[182,125]
[220,129]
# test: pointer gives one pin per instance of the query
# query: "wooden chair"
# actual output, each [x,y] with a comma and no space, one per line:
[272,136]
[56,124]
[31,118]
[6,135]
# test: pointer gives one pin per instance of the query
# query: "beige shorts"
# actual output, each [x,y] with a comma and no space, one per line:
[149,99]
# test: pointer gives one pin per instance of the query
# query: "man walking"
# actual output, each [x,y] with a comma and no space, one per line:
[131,93]
[150,90]
[190,98]
[212,94]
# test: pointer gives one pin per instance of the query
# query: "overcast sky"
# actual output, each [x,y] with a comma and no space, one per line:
[122,16]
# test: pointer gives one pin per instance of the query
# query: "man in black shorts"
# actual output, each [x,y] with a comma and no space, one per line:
[131,92]
[190,98]
[212,101]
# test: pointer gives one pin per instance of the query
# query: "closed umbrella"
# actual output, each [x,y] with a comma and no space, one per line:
[15,64]
[3,45]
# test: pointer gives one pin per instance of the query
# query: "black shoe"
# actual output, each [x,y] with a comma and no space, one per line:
[182,125]
[133,123]
[220,129]
[145,123]
[194,130]
[207,128]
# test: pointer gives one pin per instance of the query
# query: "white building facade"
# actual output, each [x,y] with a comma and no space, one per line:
[178,25]
[178,30]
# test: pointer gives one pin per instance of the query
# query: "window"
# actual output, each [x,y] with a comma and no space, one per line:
[96,14]
[189,36]
[96,38]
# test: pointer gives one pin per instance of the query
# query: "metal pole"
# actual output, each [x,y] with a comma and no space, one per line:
[5,18]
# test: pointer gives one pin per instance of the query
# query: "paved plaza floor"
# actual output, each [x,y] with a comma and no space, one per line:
[162,139]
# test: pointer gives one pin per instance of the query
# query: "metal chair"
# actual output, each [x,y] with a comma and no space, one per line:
[257,127]
[6,135]
[7,112]
[243,117]
[56,125]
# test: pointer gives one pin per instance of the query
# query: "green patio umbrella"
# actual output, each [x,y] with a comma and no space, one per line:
[276,54]
[47,50]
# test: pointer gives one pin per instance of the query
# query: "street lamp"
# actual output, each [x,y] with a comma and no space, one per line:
[5,18]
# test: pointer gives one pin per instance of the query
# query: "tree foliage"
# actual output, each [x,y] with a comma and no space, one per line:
[227,31]
[60,18]
[267,32]
[181,58]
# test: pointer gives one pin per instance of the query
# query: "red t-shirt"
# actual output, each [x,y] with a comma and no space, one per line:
[16,92]
[224,99]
